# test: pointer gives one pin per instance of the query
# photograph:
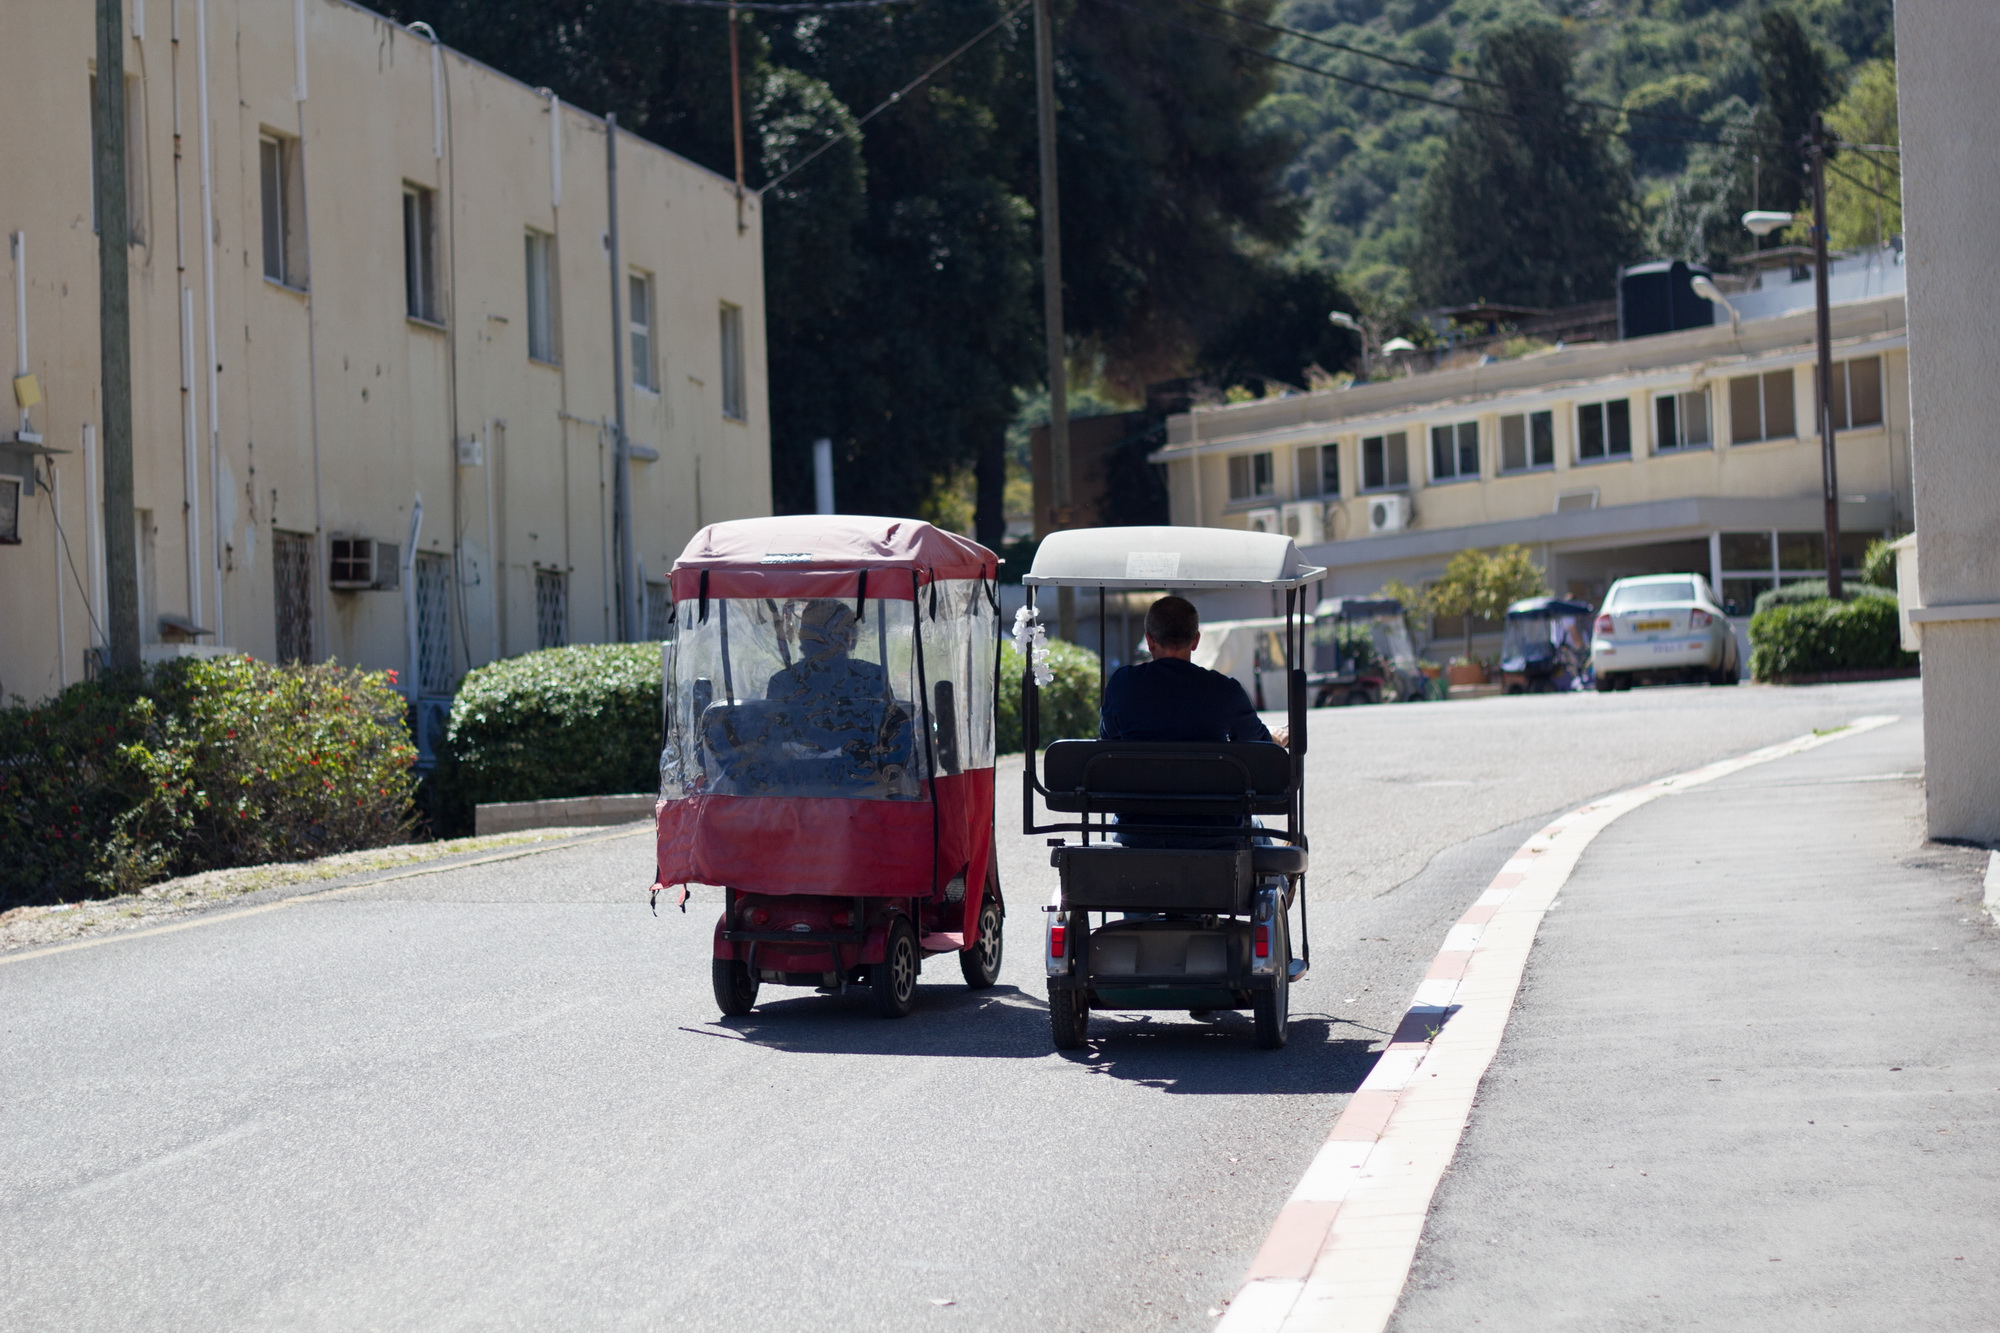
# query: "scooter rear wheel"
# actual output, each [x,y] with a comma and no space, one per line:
[981,963]
[894,979]
[1069,1018]
[735,988]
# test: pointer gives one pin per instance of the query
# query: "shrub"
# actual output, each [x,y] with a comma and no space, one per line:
[1808,638]
[576,721]
[1878,564]
[196,765]
[1069,702]
[1814,590]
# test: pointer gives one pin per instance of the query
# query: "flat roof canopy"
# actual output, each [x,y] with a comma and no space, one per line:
[1169,557]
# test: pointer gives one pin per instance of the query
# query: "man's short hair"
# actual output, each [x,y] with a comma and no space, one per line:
[1172,622]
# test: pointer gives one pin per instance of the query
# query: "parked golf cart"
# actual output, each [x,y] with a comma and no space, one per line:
[1545,646]
[1361,653]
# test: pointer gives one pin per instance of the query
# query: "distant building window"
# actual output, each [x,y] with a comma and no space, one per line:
[1680,422]
[640,318]
[540,249]
[1318,471]
[420,284]
[292,589]
[282,187]
[435,676]
[1527,441]
[1250,476]
[1455,451]
[1604,430]
[1760,408]
[10,511]
[1857,393]
[551,608]
[1385,461]
[734,402]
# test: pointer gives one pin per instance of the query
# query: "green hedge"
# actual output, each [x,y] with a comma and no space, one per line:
[1814,590]
[576,721]
[1069,702]
[1809,638]
[196,765]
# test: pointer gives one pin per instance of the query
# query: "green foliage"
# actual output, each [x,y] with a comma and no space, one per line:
[1069,702]
[1801,591]
[1807,638]
[1527,204]
[198,765]
[1857,211]
[578,721]
[1484,584]
[1878,564]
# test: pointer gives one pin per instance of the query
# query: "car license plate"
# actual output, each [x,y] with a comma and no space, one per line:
[1641,626]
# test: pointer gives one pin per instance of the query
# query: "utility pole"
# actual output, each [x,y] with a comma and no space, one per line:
[1816,155]
[736,114]
[114,326]
[625,580]
[1052,310]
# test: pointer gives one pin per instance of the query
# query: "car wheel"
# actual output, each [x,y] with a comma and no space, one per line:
[1606,682]
[894,979]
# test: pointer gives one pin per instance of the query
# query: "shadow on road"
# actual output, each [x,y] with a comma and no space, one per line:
[1167,1051]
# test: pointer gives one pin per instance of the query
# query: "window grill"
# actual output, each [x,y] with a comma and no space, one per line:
[551,608]
[659,612]
[292,589]
[434,671]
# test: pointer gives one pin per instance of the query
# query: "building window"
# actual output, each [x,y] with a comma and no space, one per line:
[1756,562]
[1385,462]
[10,511]
[292,588]
[733,398]
[541,296]
[1527,441]
[1251,476]
[283,190]
[1455,451]
[1857,393]
[1318,471]
[434,671]
[1604,430]
[1760,408]
[1680,422]
[551,608]
[640,286]
[420,285]
[659,612]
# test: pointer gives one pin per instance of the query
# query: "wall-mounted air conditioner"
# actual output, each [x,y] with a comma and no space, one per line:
[1388,513]
[1263,520]
[1305,522]
[362,563]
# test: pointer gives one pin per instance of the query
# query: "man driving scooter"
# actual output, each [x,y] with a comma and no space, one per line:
[1172,699]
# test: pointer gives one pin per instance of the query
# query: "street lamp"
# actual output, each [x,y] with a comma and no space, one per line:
[1763,224]
[1340,319]
[1708,291]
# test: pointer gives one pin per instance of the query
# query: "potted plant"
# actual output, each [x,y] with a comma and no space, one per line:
[1466,671]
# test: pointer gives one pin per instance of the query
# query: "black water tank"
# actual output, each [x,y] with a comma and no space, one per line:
[1659,298]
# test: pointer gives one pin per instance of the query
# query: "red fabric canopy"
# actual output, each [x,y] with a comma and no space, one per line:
[817,555]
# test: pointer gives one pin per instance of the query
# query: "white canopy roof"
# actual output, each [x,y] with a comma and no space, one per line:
[1169,557]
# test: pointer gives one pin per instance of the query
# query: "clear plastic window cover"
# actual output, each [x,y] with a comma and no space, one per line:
[803,697]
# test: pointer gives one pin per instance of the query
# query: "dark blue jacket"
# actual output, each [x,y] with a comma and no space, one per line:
[1167,699]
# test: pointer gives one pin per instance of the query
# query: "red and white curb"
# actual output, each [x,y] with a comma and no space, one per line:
[1340,1251]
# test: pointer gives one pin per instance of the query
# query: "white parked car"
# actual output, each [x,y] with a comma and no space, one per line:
[1663,627]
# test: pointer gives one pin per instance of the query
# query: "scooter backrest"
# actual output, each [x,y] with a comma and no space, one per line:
[1168,778]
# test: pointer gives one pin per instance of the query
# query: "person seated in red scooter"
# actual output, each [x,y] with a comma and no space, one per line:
[1172,699]
[843,703]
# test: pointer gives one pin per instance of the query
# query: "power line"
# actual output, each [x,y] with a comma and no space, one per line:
[1862,185]
[895,97]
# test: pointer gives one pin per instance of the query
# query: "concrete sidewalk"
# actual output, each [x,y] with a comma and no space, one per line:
[1752,1078]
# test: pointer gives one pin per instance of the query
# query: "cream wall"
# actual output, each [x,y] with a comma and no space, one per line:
[334,408]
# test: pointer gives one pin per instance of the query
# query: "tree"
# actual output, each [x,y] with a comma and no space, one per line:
[1479,585]
[1796,85]
[1528,204]
[1864,205]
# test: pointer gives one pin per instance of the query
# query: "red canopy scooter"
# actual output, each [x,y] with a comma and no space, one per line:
[830,691]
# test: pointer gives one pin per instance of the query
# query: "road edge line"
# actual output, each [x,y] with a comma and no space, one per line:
[1338,1255]
[317,895]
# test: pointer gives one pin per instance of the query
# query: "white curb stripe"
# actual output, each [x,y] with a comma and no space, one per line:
[1338,1256]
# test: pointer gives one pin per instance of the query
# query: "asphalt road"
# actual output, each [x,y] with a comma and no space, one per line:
[499,1097]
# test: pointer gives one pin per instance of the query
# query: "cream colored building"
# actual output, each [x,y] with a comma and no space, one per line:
[397,262]
[1685,451]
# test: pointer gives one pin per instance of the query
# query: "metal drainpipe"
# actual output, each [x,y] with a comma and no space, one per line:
[622,545]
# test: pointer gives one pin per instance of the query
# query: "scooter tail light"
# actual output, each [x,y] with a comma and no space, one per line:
[1604,625]
[759,917]
[1058,936]
[841,920]
[1261,942]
